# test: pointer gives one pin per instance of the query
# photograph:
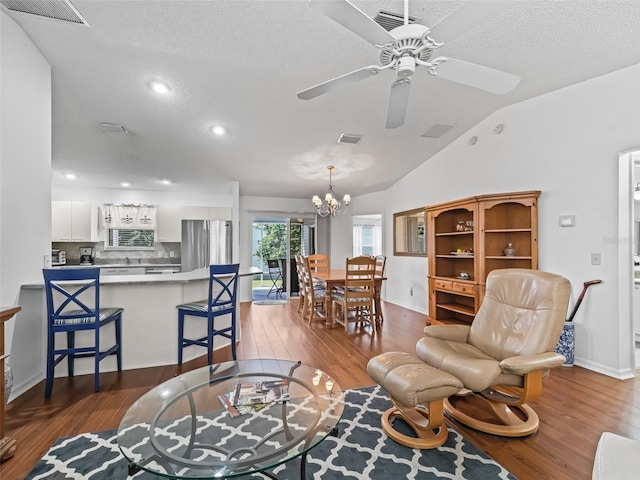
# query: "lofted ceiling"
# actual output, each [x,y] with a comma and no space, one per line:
[241,63]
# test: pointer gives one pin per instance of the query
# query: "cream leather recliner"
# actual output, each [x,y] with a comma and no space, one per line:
[504,355]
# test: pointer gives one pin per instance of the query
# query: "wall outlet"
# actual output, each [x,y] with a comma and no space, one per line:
[172,254]
[97,254]
[596,259]
[160,254]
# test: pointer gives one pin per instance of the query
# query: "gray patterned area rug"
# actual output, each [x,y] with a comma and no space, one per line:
[360,451]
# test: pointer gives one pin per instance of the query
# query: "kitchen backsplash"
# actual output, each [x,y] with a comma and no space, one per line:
[161,254]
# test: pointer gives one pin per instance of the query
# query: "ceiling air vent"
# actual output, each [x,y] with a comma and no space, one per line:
[390,20]
[349,138]
[437,130]
[55,9]
[113,127]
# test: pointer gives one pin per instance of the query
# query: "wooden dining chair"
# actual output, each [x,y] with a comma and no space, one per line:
[73,305]
[381,262]
[355,299]
[315,296]
[222,300]
[301,290]
[318,262]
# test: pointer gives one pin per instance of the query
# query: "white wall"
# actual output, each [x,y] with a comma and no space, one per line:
[566,144]
[25,173]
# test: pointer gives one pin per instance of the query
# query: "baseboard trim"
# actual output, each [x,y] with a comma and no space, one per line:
[623,374]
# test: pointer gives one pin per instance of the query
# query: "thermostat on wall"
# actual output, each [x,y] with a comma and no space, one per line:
[567,220]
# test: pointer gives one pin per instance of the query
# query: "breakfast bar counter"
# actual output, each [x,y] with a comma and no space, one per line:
[149,324]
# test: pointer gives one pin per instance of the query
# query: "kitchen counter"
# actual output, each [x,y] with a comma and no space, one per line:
[179,278]
[118,265]
[149,324]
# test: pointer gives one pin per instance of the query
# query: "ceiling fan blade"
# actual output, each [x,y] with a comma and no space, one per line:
[477,76]
[345,79]
[469,15]
[351,17]
[398,102]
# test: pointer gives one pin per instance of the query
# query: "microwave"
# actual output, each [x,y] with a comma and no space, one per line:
[58,257]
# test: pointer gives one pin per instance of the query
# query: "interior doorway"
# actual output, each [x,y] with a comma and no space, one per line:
[628,271]
[276,241]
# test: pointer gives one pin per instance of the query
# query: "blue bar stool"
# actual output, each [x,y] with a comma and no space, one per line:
[223,285]
[73,305]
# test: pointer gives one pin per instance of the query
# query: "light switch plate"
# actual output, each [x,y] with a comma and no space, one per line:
[596,259]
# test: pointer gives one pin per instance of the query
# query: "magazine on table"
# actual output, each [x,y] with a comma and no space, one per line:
[251,397]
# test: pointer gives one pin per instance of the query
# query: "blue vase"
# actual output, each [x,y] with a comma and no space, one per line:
[8,381]
[567,344]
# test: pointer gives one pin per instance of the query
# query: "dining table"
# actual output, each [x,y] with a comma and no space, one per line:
[337,277]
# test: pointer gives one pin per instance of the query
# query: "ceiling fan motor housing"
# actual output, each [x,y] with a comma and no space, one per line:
[406,66]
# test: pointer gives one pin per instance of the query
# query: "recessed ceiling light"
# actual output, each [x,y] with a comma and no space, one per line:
[218,130]
[160,87]
[166,181]
[125,184]
[70,176]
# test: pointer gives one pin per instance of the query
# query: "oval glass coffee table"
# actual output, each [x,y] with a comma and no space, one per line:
[231,419]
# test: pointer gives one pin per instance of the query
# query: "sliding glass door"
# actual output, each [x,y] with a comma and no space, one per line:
[276,241]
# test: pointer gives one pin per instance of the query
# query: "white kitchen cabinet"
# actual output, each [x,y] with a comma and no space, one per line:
[72,222]
[169,223]
[196,213]
[207,213]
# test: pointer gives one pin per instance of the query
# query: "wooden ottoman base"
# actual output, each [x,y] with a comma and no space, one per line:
[417,391]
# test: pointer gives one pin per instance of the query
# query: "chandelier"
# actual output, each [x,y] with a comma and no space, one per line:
[330,204]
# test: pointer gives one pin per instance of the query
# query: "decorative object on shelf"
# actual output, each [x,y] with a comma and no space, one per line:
[510,251]
[464,276]
[460,226]
[469,226]
[8,380]
[330,205]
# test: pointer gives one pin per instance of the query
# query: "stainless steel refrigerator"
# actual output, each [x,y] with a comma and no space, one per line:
[204,243]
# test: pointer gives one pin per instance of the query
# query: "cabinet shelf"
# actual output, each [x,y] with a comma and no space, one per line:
[456,307]
[446,234]
[507,230]
[446,321]
[504,257]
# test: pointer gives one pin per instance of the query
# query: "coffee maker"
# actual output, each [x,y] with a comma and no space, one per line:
[86,256]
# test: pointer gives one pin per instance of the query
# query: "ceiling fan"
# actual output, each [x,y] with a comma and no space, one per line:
[410,46]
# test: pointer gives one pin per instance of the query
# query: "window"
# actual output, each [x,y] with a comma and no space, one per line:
[130,238]
[367,235]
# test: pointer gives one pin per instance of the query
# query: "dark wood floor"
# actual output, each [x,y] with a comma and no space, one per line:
[577,405]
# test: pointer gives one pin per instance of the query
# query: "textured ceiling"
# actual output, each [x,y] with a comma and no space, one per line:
[241,63]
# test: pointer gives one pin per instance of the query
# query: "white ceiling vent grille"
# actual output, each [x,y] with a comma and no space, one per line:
[391,20]
[55,9]
[437,130]
[113,127]
[349,138]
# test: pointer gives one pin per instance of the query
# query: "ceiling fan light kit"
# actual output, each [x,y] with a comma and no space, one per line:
[411,45]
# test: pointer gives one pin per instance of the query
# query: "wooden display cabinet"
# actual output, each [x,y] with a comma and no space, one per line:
[467,239]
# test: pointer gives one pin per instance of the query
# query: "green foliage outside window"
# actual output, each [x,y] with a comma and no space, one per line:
[273,244]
